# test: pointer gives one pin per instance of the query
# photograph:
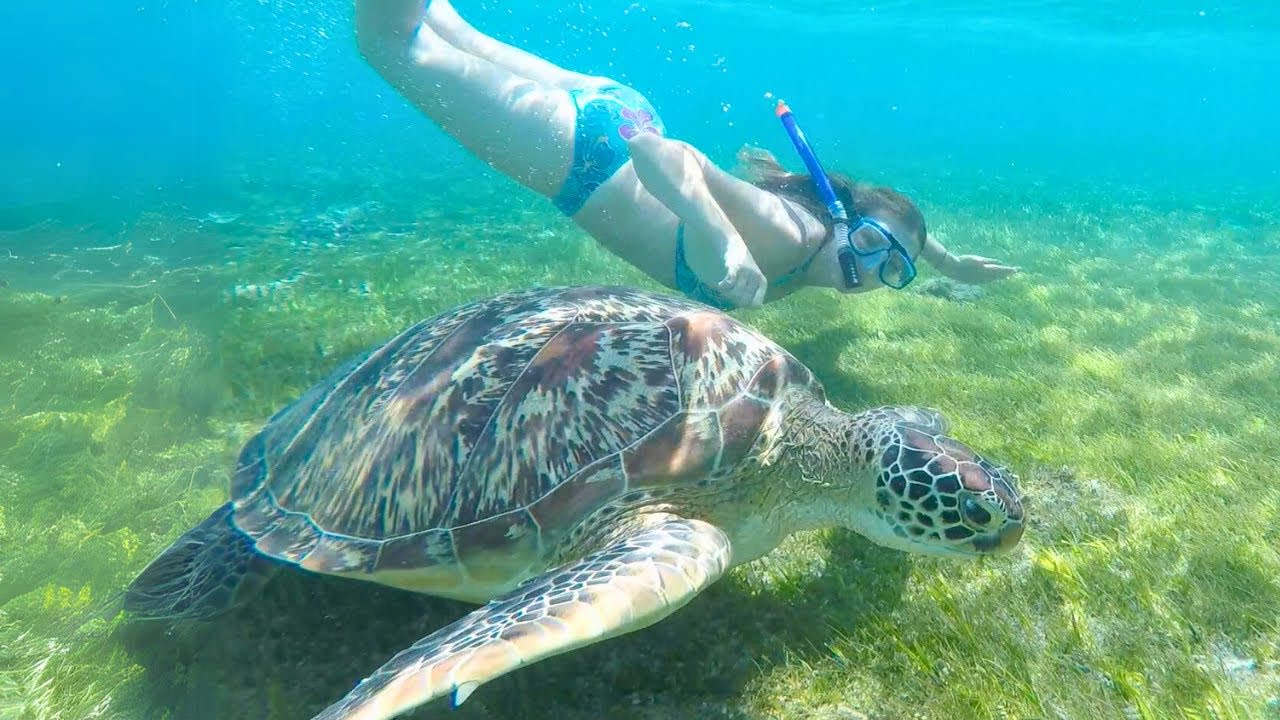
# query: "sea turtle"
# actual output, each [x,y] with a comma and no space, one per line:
[585,460]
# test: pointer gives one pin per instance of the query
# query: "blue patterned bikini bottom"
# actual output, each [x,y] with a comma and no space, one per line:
[608,117]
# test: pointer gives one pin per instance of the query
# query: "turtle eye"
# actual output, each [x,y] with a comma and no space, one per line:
[974,513]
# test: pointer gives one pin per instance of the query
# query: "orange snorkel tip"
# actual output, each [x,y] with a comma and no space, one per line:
[781,109]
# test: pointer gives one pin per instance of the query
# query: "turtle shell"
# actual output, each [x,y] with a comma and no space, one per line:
[479,438]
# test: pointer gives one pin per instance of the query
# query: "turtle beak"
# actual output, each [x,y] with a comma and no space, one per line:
[1001,542]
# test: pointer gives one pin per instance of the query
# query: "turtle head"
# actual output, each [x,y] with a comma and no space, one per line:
[928,492]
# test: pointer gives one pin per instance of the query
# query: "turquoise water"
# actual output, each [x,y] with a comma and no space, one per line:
[155,98]
[207,206]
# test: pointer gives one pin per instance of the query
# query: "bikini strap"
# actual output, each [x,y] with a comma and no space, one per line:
[804,266]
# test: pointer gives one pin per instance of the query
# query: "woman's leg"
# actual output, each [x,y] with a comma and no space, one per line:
[521,127]
[449,25]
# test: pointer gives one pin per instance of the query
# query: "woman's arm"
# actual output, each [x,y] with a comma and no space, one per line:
[675,174]
[973,269]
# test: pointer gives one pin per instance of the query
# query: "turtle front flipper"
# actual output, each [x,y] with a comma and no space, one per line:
[212,568]
[639,579]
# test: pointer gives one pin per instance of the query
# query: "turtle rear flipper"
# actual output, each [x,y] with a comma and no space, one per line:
[640,579]
[210,569]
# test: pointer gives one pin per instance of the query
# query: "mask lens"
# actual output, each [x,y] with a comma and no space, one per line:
[893,269]
[877,247]
[868,239]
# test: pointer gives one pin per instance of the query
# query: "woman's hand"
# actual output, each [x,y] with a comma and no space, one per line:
[975,269]
[743,284]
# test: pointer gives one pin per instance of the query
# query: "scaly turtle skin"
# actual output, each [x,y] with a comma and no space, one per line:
[584,460]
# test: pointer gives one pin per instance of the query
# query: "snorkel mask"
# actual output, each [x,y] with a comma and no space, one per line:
[890,257]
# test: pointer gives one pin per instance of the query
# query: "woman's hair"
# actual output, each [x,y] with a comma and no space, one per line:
[763,170]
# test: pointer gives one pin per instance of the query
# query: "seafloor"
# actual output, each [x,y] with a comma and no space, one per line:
[1129,375]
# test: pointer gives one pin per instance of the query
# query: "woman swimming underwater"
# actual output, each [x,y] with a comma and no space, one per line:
[599,151]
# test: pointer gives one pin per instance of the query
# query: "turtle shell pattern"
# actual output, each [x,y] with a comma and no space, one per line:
[460,451]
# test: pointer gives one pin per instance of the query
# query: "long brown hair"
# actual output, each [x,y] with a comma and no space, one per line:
[763,170]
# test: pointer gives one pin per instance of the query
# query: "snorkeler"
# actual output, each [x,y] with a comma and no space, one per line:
[598,150]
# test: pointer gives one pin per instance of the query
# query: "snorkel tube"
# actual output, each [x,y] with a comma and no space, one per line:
[839,217]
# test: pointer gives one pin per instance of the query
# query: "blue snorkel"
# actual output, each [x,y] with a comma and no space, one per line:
[839,217]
